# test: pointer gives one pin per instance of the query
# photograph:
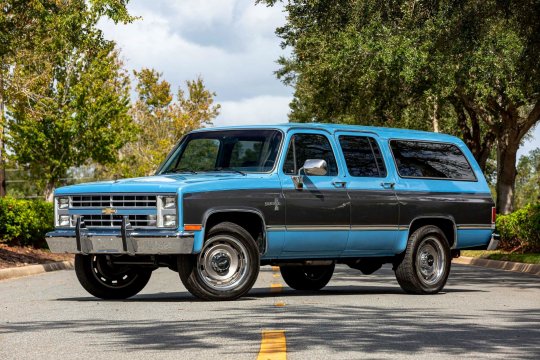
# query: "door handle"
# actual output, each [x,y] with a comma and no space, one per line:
[388,185]
[339,184]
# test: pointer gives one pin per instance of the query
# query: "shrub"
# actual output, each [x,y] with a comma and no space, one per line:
[25,222]
[520,229]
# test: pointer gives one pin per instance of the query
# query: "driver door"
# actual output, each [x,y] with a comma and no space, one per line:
[318,215]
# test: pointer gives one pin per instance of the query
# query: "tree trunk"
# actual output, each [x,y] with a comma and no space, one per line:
[2,132]
[507,148]
[435,116]
[49,191]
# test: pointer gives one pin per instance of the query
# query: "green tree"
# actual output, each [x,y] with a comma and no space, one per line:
[65,95]
[466,67]
[161,120]
[528,179]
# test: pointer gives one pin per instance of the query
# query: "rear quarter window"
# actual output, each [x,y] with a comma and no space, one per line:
[432,160]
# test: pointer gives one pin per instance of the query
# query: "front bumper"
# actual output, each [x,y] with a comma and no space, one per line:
[129,241]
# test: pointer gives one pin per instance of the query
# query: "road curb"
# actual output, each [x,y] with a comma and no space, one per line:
[533,269]
[16,272]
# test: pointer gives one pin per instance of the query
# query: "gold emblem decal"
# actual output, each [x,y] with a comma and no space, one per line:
[108,211]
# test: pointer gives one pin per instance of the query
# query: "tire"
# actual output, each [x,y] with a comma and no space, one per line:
[307,277]
[426,263]
[107,281]
[227,266]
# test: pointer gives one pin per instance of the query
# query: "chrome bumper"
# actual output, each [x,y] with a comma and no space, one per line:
[494,242]
[124,241]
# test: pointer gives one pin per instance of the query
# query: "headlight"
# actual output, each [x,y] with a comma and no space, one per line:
[168,202]
[64,220]
[169,220]
[63,202]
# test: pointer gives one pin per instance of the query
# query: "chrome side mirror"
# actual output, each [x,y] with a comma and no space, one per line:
[316,167]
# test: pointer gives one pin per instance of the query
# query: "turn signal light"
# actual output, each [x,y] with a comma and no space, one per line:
[192,227]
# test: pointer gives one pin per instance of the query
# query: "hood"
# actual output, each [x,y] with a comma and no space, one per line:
[171,183]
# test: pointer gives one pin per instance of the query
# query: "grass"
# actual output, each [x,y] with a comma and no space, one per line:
[531,258]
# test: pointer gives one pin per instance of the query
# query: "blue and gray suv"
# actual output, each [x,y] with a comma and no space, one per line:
[300,196]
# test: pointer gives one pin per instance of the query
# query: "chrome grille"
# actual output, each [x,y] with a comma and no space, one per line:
[116,220]
[115,201]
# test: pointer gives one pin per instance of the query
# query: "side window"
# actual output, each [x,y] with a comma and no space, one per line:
[309,146]
[362,156]
[431,160]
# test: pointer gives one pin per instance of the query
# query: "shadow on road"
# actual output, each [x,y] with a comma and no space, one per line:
[346,328]
[386,329]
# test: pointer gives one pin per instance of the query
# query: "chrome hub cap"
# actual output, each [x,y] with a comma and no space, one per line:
[223,263]
[430,261]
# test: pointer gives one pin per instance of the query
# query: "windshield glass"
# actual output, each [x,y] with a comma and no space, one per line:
[229,150]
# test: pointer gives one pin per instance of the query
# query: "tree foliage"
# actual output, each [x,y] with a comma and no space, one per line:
[466,67]
[65,96]
[528,179]
[161,120]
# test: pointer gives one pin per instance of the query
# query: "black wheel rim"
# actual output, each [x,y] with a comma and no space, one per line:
[111,275]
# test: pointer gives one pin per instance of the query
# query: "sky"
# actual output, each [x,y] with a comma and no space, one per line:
[231,44]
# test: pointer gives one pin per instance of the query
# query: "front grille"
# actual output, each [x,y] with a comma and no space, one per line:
[115,201]
[116,220]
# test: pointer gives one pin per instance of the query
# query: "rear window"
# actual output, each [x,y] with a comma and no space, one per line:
[433,160]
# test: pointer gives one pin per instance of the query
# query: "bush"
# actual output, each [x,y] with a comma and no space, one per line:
[25,222]
[521,229]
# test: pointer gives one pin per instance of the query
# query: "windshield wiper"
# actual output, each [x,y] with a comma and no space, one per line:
[230,170]
[177,171]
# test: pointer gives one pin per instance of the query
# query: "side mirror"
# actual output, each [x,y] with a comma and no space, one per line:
[316,167]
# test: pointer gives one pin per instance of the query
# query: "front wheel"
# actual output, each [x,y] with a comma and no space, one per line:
[426,263]
[307,277]
[105,280]
[227,266]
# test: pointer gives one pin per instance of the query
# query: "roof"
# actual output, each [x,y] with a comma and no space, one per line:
[384,132]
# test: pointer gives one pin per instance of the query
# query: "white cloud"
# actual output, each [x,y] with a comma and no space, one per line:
[256,110]
[230,43]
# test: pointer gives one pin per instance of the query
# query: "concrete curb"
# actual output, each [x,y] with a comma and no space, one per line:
[16,272]
[533,269]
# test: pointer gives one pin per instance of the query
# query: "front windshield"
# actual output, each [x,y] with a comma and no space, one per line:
[228,150]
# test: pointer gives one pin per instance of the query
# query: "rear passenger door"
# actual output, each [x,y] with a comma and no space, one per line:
[374,205]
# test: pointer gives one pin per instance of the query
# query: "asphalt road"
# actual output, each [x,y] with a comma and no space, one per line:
[482,314]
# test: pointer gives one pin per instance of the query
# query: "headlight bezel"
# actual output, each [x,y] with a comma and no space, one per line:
[167,208]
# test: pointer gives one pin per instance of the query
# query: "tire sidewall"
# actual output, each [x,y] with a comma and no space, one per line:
[436,234]
[197,286]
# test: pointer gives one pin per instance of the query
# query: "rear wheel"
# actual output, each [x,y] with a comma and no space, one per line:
[227,266]
[105,280]
[307,277]
[425,266]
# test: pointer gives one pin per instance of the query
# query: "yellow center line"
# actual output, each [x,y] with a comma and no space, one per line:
[276,275]
[276,287]
[273,345]
[275,268]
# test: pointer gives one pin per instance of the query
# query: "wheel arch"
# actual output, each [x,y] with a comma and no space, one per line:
[251,219]
[447,224]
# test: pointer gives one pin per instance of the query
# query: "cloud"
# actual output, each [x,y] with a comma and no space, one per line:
[255,110]
[231,44]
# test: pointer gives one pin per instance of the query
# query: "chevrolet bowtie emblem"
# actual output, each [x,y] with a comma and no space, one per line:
[108,211]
